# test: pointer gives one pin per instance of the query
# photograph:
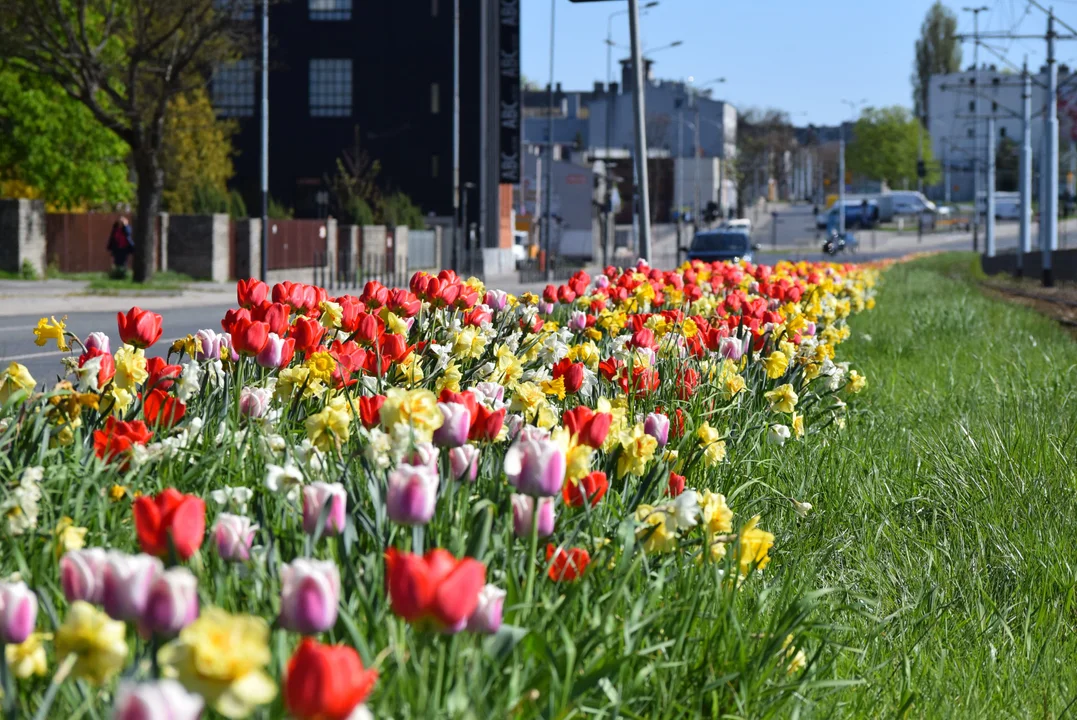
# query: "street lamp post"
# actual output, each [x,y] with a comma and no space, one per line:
[975,124]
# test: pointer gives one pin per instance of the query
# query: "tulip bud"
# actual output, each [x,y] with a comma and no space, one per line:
[18,612]
[234,535]
[412,495]
[277,352]
[657,426]
[577,322]
[535,465]
[454,429]
[497,299]
[545,308]
[423,454]
[253,401]
[731,348]
[172,603]
[464,462]
[315,496]
[156,700]
[210,345]
[98,341]
[82,575]
[487,616]
[602,281]
[128,580]
[524,516]
[310,591]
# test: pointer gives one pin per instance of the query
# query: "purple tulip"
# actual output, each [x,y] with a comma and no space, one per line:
[234,535]
[272,355]
[524,516]
[254,401]
[546,308]
[18,612]
[172,603]
[156,700]
[98,341]
[464,463]
[82,575]
[535,465]
[487,616]
[412,495]
[211,345]
[128,580]
[310,591]
[455,426]
[578,321]
[315,496]
[731,348]
[497,299]
[657,426]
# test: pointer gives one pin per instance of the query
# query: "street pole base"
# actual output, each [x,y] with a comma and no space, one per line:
[1019,272]
[1048,277]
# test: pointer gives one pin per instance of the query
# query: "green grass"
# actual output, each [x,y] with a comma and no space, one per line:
[948,505]
[103,284]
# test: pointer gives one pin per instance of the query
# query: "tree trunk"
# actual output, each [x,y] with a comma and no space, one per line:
[150,188]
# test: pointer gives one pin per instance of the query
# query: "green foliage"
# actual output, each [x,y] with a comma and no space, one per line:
[938,52]
[398,210]
[885,147]
[197,156]
[359,212]
[237,206]
[27,271]
[279,211]
[53,149]
[1006,165]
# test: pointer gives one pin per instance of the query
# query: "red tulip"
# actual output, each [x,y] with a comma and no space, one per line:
[367,328]
[571,373]
[251,292]
[687,381]
[566,566]
[139,327]
[308,334]
[485,423]
[375,294]
[394,348]
[161,374]
[435,588]
[591,428]
[105,370]
[370,410]
[326,682]
[234,316]
[275,314]
[162,410]
[549,294]
[118,436]
[281,291]
[404,303]
[676,484]
[170,516]
[350,309]
[249,336]
[590,488]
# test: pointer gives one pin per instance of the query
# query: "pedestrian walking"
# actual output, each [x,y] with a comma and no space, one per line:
[120,244]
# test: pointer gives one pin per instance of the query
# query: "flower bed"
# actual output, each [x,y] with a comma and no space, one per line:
[444,500]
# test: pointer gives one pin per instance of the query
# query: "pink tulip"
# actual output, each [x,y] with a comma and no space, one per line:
[172,603]
[577,322]
[210,342]
[315,496]
[464,462]
[731,348]
[276,353]
[535,465]
[82,575]
[310,591]
[497,299]
[455,426]
[524,516]
[492,392]
[487,616]
[254,401]
[128,580]
[18,612]
[423,454]
[412,494]
[234,535]
[98,341]
[156,700]
[657,426]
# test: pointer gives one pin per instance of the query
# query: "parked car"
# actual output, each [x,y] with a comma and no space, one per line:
[854,216]
[713,245]
[740,224]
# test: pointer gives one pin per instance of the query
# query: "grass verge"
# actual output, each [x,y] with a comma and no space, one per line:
[948,505]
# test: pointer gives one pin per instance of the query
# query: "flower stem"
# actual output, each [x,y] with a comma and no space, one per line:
[57,680]
[531,560]
[7,686]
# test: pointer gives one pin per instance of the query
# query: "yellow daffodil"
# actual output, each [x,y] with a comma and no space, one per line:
[555,387]
[711,441]
[68,536]
[222,657]
[51,329]
[798,425]
[637,449]
[28,658]
[450,378]
[130,367]
[14,379]
[469,343]
[857,382]
[577,457]
[97,641]
[117,493]
[527,397]
[321,366]
[775,364]
[190,345]
[755,544]
[655,533]
[717,517]
[393,322]
[328,429]
[331,315]
[416,409]
[782,398]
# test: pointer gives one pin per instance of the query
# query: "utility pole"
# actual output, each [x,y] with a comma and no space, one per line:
[989,236]
[456,137]
[265,140]
[547,225]
[976,126]
[640,115]
[1025,169]
[919,154]
[841,182]
[697,153]
[1051,130]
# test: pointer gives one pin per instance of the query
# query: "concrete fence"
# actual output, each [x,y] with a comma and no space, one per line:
[1063,264]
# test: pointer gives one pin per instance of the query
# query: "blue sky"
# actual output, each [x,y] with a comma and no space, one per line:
[803,56]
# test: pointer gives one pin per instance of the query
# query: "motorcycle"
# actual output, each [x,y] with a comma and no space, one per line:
[833,244]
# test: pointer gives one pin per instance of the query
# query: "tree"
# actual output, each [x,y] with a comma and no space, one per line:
[937,52]
[126,60]
[196,155]
[884,147]
[53,148]
[763,137]
[1006,169]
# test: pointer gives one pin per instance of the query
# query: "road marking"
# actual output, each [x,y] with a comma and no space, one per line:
[13,328]
[31,356]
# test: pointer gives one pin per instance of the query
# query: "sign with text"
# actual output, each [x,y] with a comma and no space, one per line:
[509,91]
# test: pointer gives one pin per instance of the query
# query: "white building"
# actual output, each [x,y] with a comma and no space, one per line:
[956,130]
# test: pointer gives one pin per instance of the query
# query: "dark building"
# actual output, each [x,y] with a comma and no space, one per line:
[345,73]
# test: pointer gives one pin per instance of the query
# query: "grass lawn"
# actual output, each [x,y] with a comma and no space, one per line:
[947,509]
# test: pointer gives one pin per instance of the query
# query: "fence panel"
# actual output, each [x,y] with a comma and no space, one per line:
[295,243]
[78,242]
[422,250]
[339,277]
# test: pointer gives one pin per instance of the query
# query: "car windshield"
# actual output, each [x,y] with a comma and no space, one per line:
[721,242]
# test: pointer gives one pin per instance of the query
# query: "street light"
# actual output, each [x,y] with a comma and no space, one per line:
[609,66]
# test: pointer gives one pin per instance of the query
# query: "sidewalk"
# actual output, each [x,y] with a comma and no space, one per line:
[57,297]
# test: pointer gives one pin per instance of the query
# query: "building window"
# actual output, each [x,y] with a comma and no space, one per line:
[233,89]
[433,8]
[970,132]
[994,107]
[435,98]
[330,9]
[972,106]
[1002,132]
[330,88]
[434,166]
[243,10]
[994,81]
